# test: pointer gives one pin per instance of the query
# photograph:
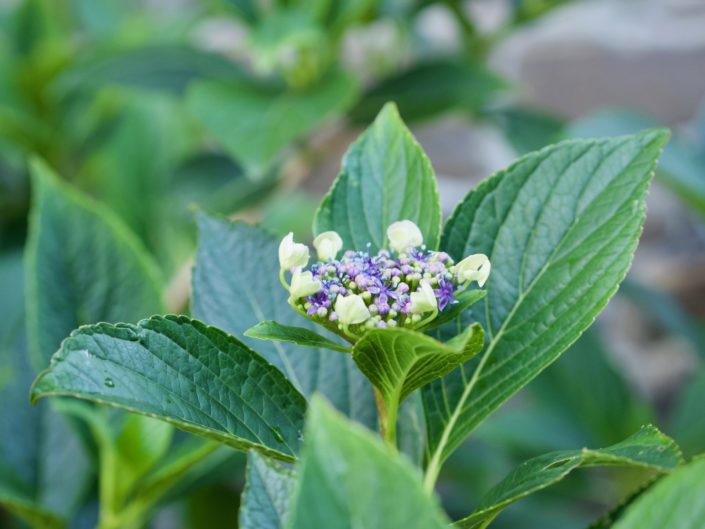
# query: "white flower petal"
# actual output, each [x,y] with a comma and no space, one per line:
[327,245]
[424,299]
[292,254]
[404,234]
[351,309]
[303,284]
[475,267]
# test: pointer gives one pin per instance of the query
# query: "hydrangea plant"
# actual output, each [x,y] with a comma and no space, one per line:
[405,328]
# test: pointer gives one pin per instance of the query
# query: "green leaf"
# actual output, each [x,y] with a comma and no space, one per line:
[65,469]
[254,122]
[247,10]
[674,501]
[129,445]
[236,285]
[430,88]
[179,370]
[83,266]
[411,434]
[385,177]
[400,361]
[560,227]
[140,445]
[186,463]
[44,469]
[528,129]
[168,68]
[62,470]
[348,479]
[290,212]
[129,168]
[23,505]
[688,420]
[681,168]
[268,489]
[271,330]
[648,449]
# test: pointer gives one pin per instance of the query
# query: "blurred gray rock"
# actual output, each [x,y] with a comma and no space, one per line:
[648,55]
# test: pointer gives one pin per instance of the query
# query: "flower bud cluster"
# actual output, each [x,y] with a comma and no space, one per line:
[406,286]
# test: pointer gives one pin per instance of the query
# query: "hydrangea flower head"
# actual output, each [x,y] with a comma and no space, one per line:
[406,286]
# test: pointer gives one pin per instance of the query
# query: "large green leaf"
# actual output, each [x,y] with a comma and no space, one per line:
[267,493]
[83,266]
[22,504]
[675,501]
[682,166]
[560,227]
[129,445]
[648,449]
[44,470]
[236,286]
[348,479]
[164,67]
[400,361]
[179,370]
[430,88]
[254,122]
[19,423]
[688,419]
[385,177]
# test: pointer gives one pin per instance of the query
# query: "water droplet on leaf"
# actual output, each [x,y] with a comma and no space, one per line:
[109,382]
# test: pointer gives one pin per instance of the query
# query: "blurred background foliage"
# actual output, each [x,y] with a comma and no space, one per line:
[243,107]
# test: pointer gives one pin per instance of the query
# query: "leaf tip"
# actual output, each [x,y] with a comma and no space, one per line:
[35,391]
[658,136]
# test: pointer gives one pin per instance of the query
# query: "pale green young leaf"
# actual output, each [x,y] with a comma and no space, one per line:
[236,286]
[179,370]
[400,361]
[647,449]
[560,227]
[349,479]
[271,330]
[268,490]
[385,177]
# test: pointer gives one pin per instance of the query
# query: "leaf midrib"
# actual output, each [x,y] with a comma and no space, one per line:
[494,339]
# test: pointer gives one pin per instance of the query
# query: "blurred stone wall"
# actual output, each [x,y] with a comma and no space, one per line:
[645,54]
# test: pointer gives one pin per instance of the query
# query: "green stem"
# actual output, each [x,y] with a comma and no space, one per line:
[434,465]
[474,41]
[349,333]
[391,434]
[387,412]
[428,319]
[282,278]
